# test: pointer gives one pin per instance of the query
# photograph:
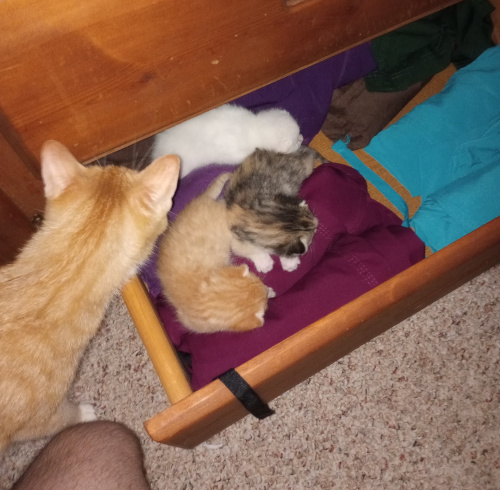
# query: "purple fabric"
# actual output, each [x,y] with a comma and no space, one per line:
[307,94]
[358,245]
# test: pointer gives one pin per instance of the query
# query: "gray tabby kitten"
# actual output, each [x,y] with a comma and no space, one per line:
[265,214]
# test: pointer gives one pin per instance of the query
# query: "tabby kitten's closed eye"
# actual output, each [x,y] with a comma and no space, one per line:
[100,225]
[265,215]
[194,265]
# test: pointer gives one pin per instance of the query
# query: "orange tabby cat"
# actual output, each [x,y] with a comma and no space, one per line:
[100,224]
[207,292]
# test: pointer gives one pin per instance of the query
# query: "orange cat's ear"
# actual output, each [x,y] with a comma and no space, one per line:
[158,182]
[59,168]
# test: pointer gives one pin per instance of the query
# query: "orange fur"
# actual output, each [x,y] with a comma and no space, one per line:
[208,293]
[100,224]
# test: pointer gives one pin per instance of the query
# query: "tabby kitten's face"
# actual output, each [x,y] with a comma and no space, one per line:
[284,226]
[262,202]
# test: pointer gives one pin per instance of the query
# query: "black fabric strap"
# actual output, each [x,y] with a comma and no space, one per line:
[245,394]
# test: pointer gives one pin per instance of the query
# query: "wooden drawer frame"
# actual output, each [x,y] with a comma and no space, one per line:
[194,417]
[100,75]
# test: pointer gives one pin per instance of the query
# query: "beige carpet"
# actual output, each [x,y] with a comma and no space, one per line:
[417,408]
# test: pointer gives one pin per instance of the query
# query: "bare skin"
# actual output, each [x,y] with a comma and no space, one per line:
[91,456]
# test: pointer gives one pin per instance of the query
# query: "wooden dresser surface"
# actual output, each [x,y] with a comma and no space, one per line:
[100,74]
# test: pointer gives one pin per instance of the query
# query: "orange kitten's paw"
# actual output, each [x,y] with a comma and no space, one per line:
[271,293]
[260,317]
[87,412]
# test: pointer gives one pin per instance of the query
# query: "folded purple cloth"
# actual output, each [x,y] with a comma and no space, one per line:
[358,245]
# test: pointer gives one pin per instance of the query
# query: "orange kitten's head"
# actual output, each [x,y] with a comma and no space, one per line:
[107,208]
[229,298]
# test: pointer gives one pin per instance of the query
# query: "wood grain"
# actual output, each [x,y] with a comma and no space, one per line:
[22,186]
[21,193]
[101,74]
[212,408]
[17,231]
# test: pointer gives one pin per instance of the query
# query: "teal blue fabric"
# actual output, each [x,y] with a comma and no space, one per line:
[459,208]
[441,139]
[447,150]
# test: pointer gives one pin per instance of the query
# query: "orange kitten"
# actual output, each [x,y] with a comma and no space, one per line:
[100,224]
[208,293]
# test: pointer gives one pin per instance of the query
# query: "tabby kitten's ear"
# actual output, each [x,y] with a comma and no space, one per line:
[59,168]
[158,181]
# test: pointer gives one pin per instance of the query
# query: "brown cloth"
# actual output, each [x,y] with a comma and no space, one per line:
[361,114]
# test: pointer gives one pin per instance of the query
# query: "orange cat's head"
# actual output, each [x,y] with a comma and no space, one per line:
[109,210]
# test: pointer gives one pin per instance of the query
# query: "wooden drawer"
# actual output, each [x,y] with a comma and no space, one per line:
[194,417]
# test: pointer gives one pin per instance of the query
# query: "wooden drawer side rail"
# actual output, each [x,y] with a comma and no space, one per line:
[160,350]
[204,413]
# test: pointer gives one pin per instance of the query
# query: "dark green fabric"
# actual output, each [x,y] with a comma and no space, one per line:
[416,52]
